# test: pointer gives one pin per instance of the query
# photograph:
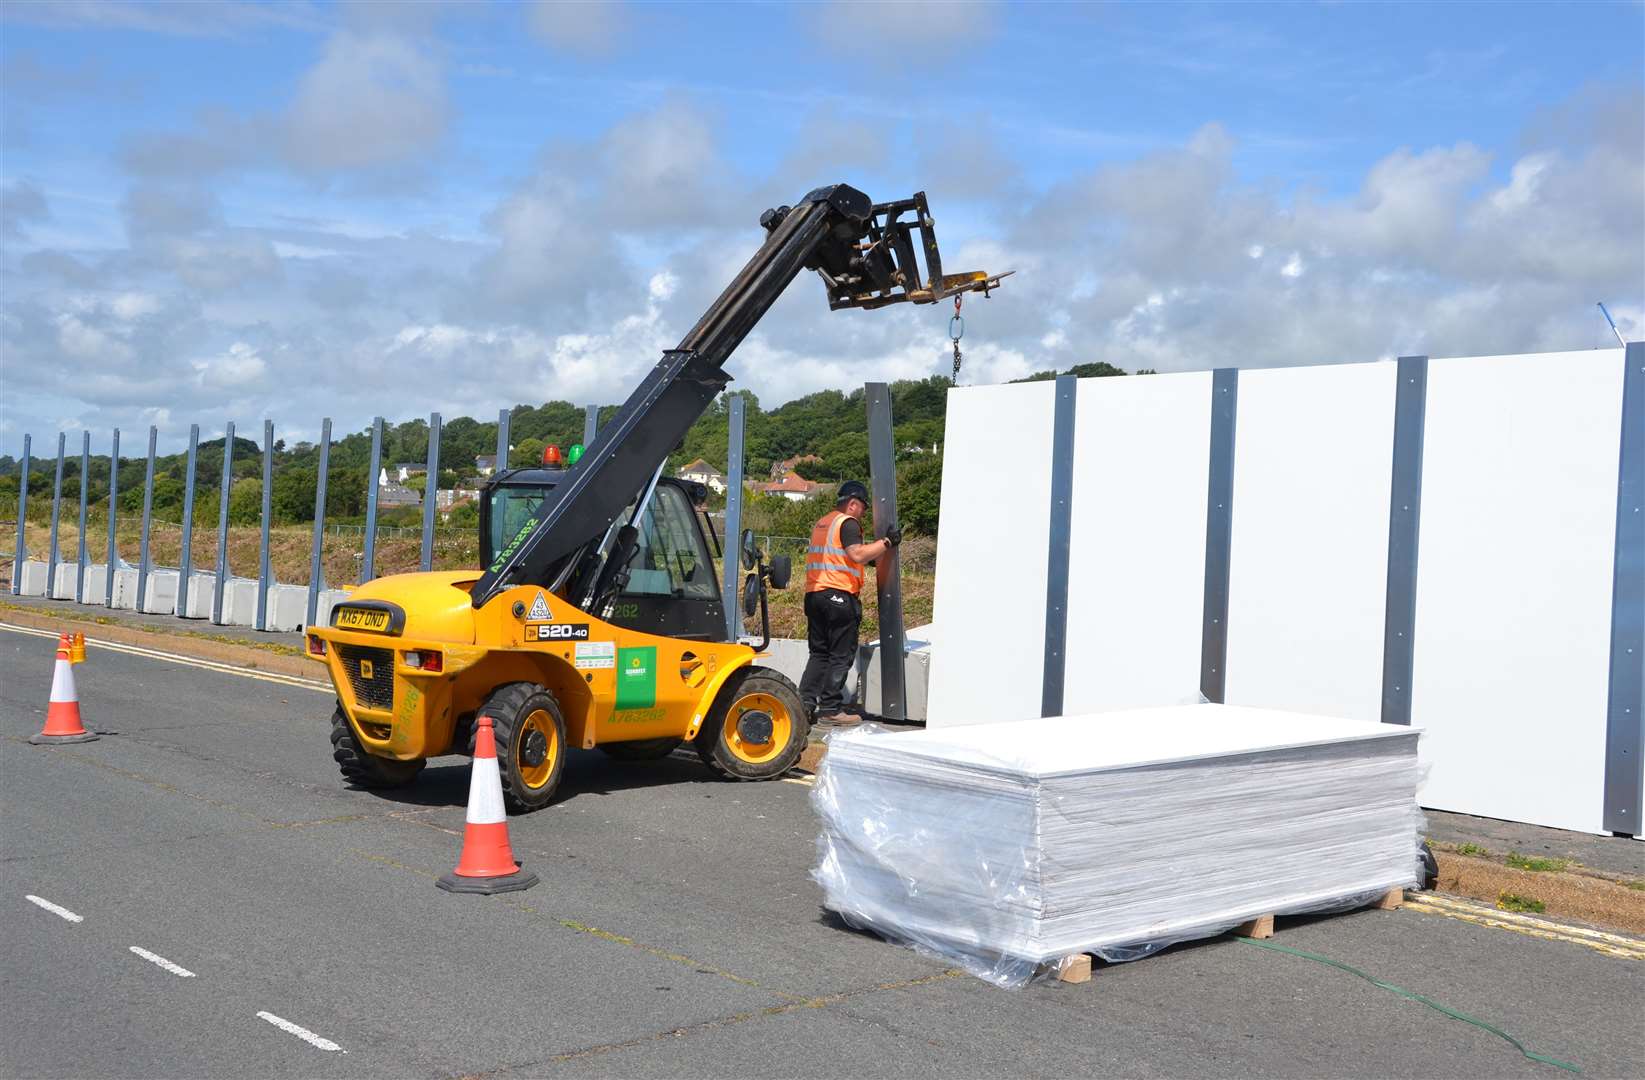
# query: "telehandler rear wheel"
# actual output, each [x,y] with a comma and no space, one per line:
[530,733]
[365,769]
[641,749]
[757,728]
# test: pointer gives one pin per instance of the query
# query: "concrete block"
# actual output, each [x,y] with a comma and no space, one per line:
[202,585]
[287,607]
[63,587]
[162,593]
[329,598]
[125,587]
[240,602]
[787,655]
[919,642]
[32,579]
[97,583]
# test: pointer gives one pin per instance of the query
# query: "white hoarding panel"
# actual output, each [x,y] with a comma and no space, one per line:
[1137,570]
[1313,461]
[1514,584]
[991,562]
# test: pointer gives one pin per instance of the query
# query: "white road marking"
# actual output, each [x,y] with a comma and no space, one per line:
[302,1033]
[55,909]
[188,661]
[806,780]
[160,961]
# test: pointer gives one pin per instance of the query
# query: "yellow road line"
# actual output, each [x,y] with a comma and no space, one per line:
[188,661]
[1482,915]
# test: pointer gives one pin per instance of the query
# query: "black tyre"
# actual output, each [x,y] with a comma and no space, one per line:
[1429,867]
[365,769]
[641,749]
[531,745]
[757,728]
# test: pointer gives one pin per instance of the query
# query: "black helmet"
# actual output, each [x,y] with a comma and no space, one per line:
[852,489]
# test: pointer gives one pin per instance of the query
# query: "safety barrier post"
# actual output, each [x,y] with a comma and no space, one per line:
[22,517]
[148,519]
[1404,520]
[882,470]
[268,509]
[56,507]
[1625,707]
[1054,680]
[591,424]
[112,559]
[227,481]
[730,593]
[431,490]
[1219,536]
[185,561]
[503,419]
[80,554]
[368,557]
[316,568]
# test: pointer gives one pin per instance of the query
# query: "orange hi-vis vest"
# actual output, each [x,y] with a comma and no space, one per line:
[827,566]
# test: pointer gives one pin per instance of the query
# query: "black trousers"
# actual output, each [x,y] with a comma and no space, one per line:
[832,618]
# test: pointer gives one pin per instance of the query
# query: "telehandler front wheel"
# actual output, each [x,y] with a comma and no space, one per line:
[531,746]
[365,769]
[757,728]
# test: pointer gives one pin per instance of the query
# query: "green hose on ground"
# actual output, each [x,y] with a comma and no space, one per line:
[1418,998]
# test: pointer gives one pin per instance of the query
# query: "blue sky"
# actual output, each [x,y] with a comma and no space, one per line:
[219,210]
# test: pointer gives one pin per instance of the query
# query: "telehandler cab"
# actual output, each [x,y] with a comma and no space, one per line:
[597,621]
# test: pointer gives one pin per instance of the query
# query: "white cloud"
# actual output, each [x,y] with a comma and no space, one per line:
[591,27]
[238,366]
[374,99]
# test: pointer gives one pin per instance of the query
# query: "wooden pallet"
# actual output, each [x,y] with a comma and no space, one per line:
[1076,967]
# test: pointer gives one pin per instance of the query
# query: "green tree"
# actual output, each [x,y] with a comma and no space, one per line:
[245,502]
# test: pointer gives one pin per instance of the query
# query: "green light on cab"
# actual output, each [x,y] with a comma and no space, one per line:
[576,454]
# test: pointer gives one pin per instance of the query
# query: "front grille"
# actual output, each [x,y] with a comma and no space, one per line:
[376,692]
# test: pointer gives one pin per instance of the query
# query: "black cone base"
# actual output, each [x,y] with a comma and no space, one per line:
[47,740]
[486,886]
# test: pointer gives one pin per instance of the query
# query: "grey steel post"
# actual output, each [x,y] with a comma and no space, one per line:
[185,561]
[80,555]
[221,585]
[431,490]
[22,519]
[729,593]
[1219,536]
[316,568]
[56,508]
[1625,714]
[1060,555]
[882,469]
[591,424]
[503,418]
[112,559]
[368,557]
[1404,522]
[148,520]
[268,511]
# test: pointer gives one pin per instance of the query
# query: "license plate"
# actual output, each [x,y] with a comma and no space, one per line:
[362,619]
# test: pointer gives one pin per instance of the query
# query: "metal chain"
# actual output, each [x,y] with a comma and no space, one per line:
[956,330]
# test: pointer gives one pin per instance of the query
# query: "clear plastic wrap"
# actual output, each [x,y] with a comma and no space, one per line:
[1003,851]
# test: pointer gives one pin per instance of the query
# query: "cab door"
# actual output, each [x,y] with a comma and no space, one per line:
[672,590]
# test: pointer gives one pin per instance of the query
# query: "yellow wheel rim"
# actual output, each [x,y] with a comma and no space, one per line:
[782,728]
[538,740]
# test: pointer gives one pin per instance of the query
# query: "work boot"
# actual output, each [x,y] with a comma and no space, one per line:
[841,719]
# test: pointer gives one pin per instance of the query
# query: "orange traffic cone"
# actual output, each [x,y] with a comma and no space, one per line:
[487,864]
[63,714]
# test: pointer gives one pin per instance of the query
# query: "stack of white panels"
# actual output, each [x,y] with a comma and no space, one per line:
[1001,846]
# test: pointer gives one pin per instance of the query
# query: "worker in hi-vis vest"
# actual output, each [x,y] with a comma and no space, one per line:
[833,608]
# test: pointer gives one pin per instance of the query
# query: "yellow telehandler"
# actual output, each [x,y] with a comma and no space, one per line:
[597,619]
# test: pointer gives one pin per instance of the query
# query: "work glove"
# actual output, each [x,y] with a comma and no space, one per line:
[893,534]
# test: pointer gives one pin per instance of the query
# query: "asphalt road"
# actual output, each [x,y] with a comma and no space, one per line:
[676,932]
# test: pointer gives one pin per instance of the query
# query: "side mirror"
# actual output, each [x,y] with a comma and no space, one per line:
[751,553]
[780,570]
[751,595]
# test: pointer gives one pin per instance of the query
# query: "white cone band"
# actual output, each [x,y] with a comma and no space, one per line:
[485,793]
[62,683]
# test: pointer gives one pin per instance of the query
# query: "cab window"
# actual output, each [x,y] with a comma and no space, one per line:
[671,559]
[511,508]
